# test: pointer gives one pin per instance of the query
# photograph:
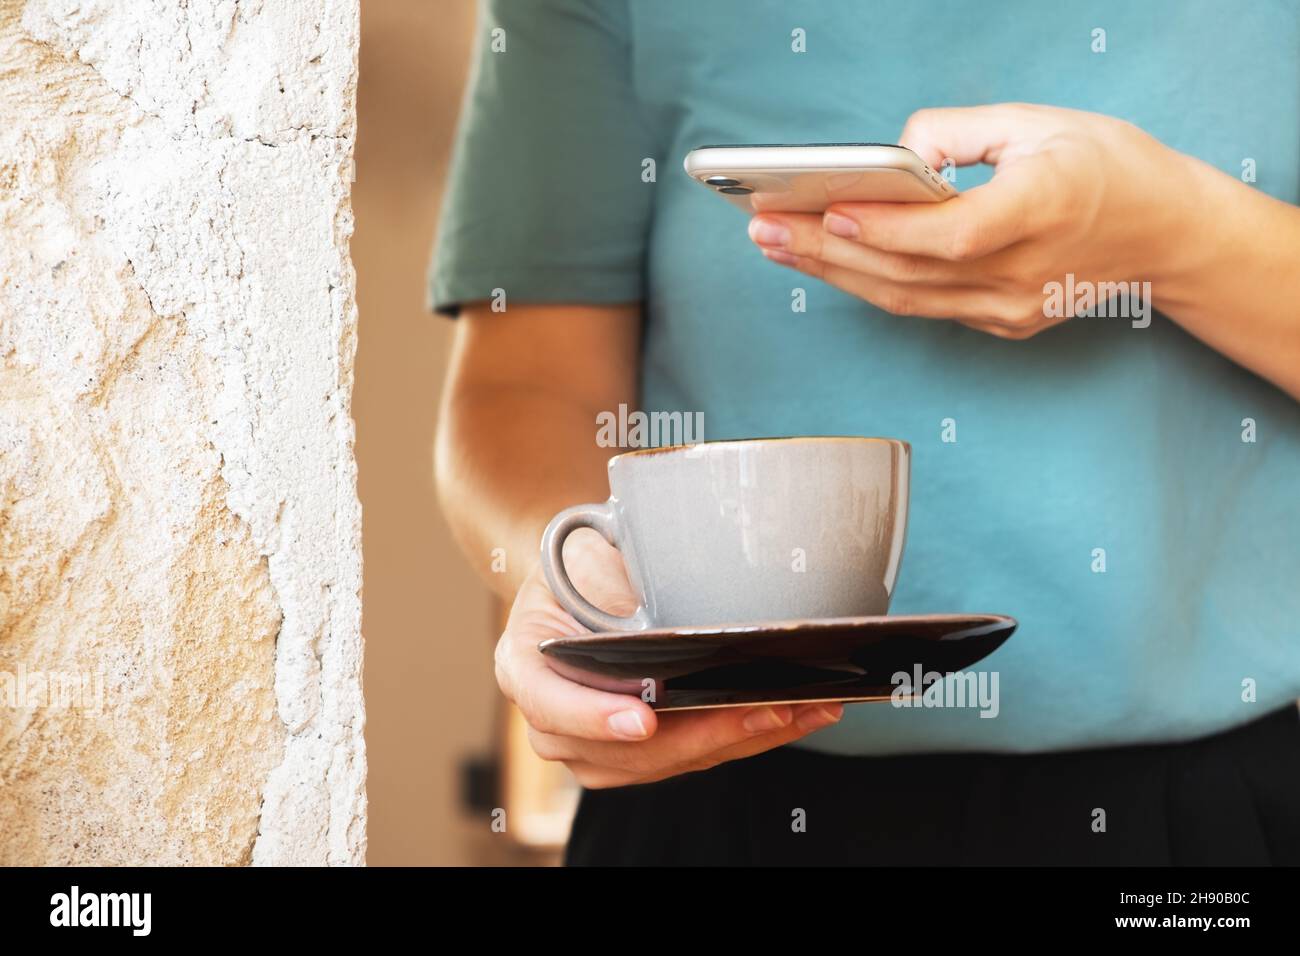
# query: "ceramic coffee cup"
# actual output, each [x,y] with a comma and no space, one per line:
[746,531]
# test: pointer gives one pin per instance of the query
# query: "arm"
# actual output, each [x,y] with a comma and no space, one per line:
[1243,298]
[517,433]
[517,443]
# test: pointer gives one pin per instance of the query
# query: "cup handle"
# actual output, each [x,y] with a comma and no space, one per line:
[600,518]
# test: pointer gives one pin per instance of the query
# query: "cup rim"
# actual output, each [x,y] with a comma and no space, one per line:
[666,449]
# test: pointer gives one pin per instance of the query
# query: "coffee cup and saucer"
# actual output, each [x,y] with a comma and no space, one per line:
[764,570]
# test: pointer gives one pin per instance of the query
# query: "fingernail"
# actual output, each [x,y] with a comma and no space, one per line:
[627,723]
[768,232]
[784,258]
[767,718]
[841,226]
[823,715]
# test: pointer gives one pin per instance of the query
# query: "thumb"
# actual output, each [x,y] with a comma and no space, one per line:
[973,134]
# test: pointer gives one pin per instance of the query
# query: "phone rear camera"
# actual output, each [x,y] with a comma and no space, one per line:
[722,181]
[736,190]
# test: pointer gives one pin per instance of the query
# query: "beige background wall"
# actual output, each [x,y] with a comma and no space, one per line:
[176,520]
[179,532]
[428,620]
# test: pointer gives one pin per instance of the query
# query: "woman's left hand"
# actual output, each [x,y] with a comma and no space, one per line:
[1072,193]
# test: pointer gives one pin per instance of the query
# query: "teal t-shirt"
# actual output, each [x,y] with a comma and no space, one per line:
[1100,487]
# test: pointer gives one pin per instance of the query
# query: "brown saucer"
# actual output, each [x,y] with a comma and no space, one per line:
[833,659]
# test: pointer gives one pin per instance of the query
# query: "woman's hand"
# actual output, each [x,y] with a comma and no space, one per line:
[610,740]
[1072,192]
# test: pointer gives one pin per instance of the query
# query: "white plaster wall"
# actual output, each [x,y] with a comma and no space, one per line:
[178,518]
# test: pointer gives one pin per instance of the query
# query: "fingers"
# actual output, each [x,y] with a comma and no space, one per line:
[687,742]
[800,235]
[553,705]
[808,719]
[965,303]
[597,571]
[970,226]
[684,740]
[917,241]
[980,221]
[548,701]
[611,736]
[974,134]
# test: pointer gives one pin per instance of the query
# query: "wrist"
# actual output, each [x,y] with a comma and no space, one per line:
[1196,238]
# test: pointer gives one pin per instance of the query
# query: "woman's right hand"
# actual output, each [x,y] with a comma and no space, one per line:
[612,740]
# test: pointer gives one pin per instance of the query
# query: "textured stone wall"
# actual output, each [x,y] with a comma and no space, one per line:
[180,650]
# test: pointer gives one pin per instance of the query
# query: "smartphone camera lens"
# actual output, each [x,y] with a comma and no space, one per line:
[722,181]
[736,190]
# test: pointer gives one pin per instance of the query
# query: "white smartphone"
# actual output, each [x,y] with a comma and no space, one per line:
[808,178]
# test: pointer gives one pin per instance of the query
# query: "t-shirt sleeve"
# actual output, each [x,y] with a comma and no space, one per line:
[545,198]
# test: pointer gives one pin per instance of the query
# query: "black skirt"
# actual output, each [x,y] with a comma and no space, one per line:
[1229,799]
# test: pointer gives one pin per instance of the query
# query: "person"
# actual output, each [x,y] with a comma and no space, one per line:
[1127,490]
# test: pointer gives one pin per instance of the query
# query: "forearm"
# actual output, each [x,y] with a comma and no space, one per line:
[507,460]
[1234,280]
